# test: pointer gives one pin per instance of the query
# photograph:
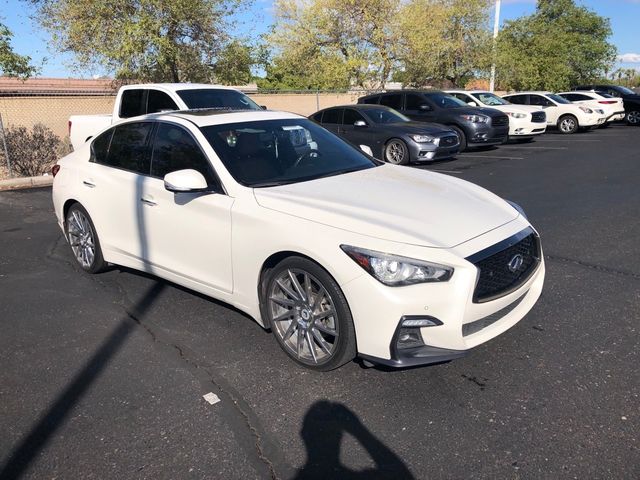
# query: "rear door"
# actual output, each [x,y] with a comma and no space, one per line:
[419,108]
[358,135]
[332,120]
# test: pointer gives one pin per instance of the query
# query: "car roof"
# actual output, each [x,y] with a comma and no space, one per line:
[358,106]
[531,92]
[179,86]
[211,116]
[405,90]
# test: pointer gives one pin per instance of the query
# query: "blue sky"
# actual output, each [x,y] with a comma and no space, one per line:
[29,38]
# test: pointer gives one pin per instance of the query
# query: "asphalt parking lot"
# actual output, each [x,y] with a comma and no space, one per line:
[103,376]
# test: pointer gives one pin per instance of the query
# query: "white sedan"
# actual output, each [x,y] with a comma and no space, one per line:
[337,253]
[612,107]
[525,121]
[561,113]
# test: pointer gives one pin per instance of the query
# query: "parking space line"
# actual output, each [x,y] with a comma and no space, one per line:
[445,171]
[527,147]
[491,156]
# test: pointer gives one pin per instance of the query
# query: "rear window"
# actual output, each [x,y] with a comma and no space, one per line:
[392,101]
[217,98]
[160,102]
[132,103]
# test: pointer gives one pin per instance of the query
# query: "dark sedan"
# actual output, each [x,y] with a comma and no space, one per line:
[475,126]
[390,135]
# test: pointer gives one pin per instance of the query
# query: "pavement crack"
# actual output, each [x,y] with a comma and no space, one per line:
[593,266]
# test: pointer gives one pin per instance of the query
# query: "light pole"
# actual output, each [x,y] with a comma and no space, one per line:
[496,27]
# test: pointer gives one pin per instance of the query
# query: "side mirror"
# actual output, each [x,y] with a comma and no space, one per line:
[264,107]
[423,107]
[472,104]
[359,123]
[185,181]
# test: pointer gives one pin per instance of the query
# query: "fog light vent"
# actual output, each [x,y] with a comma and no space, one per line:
[409,335]
[409,338]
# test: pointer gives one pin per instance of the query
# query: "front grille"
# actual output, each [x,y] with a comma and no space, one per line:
[500,121]
[484,322]
[449,141]
[505,266]
[538,117]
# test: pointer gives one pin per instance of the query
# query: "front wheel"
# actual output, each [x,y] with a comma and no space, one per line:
[568,124]
[633,117]
[396,152]
[83,240]
[309,315]
[461,136]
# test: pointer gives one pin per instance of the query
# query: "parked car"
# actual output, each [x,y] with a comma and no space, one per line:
[476,127]
[631,99]
[337,253]
[613,108]
[388,134]
[561,113]
[135,100]
[525,121]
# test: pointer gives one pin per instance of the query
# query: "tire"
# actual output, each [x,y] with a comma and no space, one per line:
[461,136]
[396,152]
[83,239]
[633,118]
[299,319]
[568,124]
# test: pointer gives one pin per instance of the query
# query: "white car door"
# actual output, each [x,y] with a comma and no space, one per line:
[550,108]
[111,182]
[188,234]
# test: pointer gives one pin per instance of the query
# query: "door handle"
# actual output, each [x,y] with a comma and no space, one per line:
[148,201]
[89,184]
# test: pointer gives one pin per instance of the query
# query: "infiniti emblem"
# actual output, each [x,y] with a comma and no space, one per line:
[515,263]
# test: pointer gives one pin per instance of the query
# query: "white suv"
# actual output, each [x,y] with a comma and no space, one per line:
[560,112]
[525,122]
[612,107]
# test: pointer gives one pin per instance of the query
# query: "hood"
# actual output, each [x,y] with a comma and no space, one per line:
[488,111]
[394,203]
[519,108]
[418,127]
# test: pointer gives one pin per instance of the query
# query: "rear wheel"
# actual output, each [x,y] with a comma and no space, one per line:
[461,136]
[633,117]
[568,124]
[309,315]
[83,239]
[396,152]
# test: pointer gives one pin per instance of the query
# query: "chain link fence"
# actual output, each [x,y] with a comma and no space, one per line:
[34,124]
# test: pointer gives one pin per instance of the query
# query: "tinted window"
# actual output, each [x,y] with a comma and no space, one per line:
[370,100]
[132,103]
[392,101]
[317,117]
[444,100]
[175,149]
[538,100]
[463,97]
[217,98]
[518,99]
[332,116]
[100,147]
[555,98]
[129,147]
[414,101]
[351,116]
[159,101]
[385,115]
[276,152]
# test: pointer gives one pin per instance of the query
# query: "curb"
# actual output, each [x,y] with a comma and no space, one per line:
[26,182]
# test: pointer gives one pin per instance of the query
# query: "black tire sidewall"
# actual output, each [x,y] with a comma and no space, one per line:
[98,261]
[462,136]
[346,348]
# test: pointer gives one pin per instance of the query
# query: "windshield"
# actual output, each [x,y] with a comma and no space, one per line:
[217,98]
[490,99]
[557,98]
[444,100]
[625,90]
[277,152]
[383,115]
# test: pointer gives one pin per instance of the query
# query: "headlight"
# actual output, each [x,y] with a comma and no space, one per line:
[422,138]
[517,207]
[516,114]
[476,118]
[586,109]
[395,271]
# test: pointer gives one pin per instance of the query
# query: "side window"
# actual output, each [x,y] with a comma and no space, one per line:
[129,148]
[579,97]
[175,149]
[613,92]
[317,117]
[392,101]
[351,116]
[372,100]
[539,100]
[518,99]
[100,147]
[132,103]
[463,97]
[159,101]
[414,101]
[332,116]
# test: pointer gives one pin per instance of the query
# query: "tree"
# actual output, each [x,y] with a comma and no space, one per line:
[559,46]
[444,41]
[332,43]
[12,64]
[146,40]
[233,66]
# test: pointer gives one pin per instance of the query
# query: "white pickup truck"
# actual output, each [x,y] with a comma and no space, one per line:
[134,100]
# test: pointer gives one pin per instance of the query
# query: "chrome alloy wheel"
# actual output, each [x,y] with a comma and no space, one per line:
[395,152]
[568,125]
[81,238]
[633,117]
[303,316]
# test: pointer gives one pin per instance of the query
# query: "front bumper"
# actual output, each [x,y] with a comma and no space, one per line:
[485,135]
[462,326]
[420,152]
[522,128]
[616,117]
